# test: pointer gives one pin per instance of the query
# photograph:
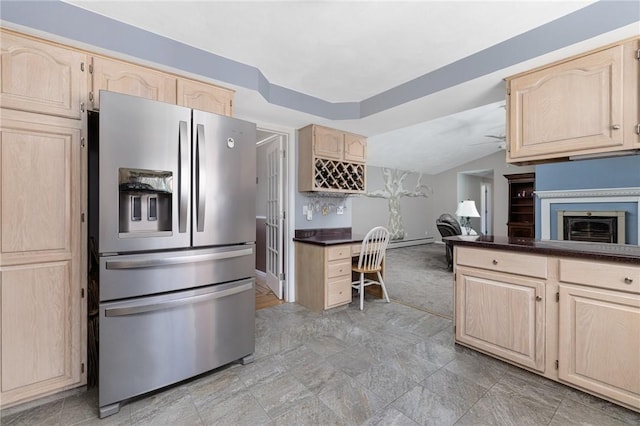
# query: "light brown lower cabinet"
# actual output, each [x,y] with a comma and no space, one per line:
[502,314]
[43,312]
[573,321]
[323,276]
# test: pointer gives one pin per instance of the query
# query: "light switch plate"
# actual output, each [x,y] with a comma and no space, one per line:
[309,214]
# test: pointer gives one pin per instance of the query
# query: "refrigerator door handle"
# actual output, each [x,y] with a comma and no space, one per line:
[167,261]
[201,182]
[183,173]
[158,306]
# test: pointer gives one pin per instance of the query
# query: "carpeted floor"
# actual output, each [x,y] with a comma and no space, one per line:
[417,276]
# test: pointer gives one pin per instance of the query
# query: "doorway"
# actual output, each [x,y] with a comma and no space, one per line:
[477,185]
[270,223]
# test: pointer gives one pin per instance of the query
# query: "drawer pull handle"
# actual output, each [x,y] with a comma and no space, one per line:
[495,262]
[628,280]
[538,298]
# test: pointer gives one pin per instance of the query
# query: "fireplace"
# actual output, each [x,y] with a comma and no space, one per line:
[597,226]
[597,199]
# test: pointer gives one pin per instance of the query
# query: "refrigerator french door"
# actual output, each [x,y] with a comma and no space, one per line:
[172,215]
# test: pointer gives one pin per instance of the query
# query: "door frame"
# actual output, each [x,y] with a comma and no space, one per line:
[288,201]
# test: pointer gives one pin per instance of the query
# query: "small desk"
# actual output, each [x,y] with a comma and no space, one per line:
[323,271]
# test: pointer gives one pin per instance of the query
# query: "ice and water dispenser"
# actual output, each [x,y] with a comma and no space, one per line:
[144,202]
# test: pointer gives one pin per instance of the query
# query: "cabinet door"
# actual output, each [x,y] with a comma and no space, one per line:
[501,314]
[41,77]
[599,341]
[122,77]
[205,97]
[575,107]
[41,261]
[41,330]
[327,143]
[41,187]
[355,148]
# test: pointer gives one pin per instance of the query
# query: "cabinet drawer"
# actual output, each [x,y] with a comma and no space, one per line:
[339,252]
[503,261]
[338,291]
[339,268]
[597,274]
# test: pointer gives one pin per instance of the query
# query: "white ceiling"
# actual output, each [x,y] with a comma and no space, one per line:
[350,51]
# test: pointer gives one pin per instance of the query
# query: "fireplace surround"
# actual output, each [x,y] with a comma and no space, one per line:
[601,196]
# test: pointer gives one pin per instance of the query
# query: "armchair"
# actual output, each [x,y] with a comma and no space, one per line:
[448,226]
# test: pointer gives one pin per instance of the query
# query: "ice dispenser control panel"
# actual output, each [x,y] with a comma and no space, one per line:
[145,202]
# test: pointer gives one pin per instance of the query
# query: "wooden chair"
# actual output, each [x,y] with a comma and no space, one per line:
[372,252]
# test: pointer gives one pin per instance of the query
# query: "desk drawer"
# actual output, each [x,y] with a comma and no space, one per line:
[339,252]
[339,268]
[503,261]
[608,275]
[338,291]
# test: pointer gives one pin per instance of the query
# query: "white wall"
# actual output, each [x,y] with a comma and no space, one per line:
[469,187]
[445,194]
[369,211]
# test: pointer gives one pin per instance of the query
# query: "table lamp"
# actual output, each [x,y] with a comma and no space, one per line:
[466,210]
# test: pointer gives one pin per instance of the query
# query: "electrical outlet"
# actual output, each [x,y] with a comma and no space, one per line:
[304,210]
[340,210]
[309,214]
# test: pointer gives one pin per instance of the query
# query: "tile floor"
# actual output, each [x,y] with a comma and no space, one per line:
[388,365]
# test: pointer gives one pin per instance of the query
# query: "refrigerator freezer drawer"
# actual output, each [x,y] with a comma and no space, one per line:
[152,273]
[151,342]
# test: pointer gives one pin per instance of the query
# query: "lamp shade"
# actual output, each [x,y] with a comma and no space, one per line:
[467,208]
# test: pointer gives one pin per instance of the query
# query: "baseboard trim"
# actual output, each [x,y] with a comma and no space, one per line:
[261,274]
[408,243]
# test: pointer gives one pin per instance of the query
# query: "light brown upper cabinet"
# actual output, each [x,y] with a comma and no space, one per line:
[587,104]
[355,148]
[40,77]
[331,160]
[327,143]
[129,79]
[205,97]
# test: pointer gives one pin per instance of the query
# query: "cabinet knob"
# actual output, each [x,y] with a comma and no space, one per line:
[538,298]
[616,127]
[495,262]
[628,280]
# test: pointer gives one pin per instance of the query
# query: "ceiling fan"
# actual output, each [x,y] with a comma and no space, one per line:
[501,140]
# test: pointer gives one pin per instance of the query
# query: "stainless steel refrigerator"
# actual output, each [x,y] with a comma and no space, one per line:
[172,218]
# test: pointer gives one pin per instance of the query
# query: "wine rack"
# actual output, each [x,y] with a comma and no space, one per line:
[331,161]
[339,175]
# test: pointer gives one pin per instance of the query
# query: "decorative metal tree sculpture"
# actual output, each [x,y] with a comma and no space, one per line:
[394,191]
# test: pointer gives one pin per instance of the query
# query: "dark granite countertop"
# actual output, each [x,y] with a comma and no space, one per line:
[625,253]
[327,236]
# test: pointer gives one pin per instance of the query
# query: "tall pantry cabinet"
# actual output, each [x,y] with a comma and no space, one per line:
[45,90]
[42,226]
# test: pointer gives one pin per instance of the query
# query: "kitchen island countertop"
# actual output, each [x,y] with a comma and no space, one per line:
[624,253]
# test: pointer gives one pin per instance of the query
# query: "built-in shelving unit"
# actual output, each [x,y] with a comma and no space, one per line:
[522,217]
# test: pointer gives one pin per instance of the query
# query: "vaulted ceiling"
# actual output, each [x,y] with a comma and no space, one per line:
[422,79]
